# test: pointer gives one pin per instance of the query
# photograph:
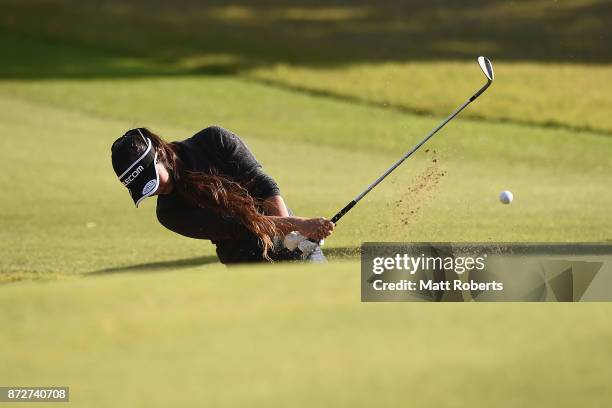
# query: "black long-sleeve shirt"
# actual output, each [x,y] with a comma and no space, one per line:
[223,151]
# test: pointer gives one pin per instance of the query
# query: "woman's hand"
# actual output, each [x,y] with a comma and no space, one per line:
[312,228]
[316,228]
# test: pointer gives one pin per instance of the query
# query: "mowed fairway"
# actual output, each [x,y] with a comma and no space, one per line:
[65,212]
[277,336]
[96,295]
[157,320]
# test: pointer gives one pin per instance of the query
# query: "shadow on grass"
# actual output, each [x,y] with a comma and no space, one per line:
[64,38]
[330,253]
[158,266]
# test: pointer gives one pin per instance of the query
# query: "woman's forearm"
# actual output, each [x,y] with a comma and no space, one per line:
[287,224]
[314,228]
[275,206]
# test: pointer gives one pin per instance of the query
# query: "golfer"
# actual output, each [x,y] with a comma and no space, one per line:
[210,186]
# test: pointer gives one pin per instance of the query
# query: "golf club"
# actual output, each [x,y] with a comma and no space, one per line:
[487,68]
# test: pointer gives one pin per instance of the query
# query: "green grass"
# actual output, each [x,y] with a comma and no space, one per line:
[207,337]
[330,32]
[551,58]
[58,135]
[97,295]
[557,95]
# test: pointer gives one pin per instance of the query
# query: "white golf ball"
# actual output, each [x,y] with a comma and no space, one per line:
[506,197]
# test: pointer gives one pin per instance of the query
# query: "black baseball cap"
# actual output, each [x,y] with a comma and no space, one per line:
[134,161]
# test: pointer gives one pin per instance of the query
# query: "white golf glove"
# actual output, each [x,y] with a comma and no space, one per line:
[295,240]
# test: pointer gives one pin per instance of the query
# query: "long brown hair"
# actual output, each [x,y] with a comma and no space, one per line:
[221,194]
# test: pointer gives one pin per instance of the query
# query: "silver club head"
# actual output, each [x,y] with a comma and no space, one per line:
[486,67]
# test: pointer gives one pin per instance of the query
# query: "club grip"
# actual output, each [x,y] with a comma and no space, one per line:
[343,211]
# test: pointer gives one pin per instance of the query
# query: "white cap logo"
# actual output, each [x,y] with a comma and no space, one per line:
[150,186]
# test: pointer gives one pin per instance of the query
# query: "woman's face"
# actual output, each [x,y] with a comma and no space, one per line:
[165,183]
